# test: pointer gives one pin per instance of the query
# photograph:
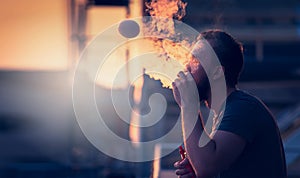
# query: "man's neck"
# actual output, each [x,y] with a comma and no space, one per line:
[219,98]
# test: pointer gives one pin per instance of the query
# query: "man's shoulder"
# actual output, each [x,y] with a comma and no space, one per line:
[241,96]
[244,107]
[242,101]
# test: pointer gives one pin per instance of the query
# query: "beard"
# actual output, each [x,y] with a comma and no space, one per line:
[203,89]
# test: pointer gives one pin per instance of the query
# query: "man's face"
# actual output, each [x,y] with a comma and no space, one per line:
[200,77]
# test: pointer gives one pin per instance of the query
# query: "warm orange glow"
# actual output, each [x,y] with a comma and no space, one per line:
[172,46]
[34,35]
[167,8]
[112,72]
[101,18]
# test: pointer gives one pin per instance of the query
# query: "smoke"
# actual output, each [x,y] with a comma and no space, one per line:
[172,43]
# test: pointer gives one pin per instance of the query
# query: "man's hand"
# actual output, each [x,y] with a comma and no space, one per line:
[184,169]
[176,94]
[185,90]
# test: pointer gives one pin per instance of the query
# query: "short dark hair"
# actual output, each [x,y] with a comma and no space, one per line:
[229,51]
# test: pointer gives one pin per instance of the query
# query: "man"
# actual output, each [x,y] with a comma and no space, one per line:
[245,141]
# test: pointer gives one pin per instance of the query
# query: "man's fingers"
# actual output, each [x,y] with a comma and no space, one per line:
[181,75]
[177,165]
[189,77]
[185,76]
[188,175]
[176,94]
[184,162]
[177,83]
[174,86]
[181,164]
[182,171]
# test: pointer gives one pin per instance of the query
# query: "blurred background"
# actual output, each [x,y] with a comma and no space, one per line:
[41,42]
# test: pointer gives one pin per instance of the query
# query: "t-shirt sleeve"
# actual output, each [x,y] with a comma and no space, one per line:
[240,118]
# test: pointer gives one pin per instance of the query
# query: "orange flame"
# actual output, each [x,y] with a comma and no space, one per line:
[167,8]
[169,43]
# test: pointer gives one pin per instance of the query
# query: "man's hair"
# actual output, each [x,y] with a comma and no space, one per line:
[229,51]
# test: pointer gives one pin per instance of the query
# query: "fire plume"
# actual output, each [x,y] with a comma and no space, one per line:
[171,42]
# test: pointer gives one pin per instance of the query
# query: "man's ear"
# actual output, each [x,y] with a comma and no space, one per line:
[218,72]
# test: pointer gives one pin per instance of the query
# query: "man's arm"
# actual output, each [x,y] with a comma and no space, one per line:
[220,151]
[217,155]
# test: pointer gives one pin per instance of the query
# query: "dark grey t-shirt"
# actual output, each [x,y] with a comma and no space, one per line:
[263,156]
